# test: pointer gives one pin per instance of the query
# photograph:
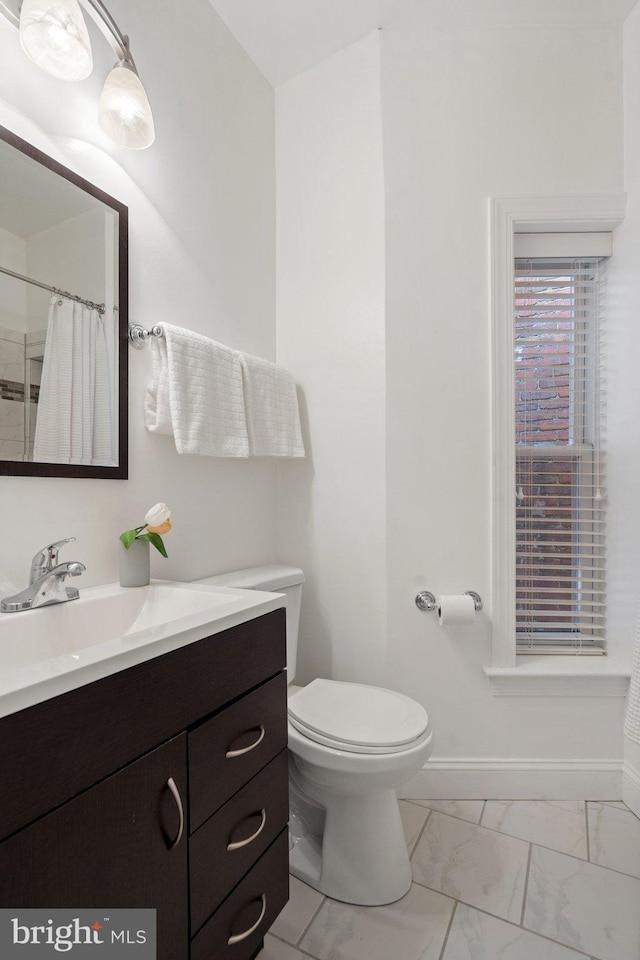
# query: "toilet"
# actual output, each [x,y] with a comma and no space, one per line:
[351,746]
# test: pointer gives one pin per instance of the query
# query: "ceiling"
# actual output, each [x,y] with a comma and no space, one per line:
[286,37]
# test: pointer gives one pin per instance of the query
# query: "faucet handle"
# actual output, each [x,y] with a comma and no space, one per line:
[47,558]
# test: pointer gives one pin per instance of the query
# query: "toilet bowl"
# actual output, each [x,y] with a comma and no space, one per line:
[351,746]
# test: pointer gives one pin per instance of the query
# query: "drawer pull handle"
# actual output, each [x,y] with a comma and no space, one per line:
[247,933]
[175,793]
[252,746]
[244,843]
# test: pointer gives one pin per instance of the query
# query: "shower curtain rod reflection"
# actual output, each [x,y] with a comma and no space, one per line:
[100,307]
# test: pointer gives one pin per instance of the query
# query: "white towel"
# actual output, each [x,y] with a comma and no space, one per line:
[196,394]
[271,403]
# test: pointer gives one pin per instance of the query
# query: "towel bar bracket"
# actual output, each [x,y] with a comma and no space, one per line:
[138,335]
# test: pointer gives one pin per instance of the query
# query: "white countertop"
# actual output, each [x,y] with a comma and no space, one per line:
[55,649]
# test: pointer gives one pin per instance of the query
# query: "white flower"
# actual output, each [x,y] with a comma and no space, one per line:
[158,515]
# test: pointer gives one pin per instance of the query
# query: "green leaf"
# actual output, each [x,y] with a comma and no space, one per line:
[128,537]
[156,540]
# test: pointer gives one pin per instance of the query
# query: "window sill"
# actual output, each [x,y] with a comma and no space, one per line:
[560,676]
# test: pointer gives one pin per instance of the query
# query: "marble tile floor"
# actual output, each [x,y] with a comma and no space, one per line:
[493,880]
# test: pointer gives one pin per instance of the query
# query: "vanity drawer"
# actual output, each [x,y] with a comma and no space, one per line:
[230,748]
[230,842]
[248,912]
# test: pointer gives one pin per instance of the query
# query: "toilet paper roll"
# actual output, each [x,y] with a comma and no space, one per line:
[454,609]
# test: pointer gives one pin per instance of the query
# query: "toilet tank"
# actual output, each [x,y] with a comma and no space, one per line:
[278,578]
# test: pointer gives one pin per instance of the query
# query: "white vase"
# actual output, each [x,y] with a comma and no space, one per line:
[135,564]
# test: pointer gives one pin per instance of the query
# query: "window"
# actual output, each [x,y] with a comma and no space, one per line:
[559,461]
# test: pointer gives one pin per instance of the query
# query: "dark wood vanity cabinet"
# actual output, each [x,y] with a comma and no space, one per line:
[165,786]
[109,847]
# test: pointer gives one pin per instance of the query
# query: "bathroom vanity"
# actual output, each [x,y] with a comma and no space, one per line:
[163,784]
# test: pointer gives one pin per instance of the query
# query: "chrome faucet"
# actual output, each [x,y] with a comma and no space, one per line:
[47,558]
[46,581]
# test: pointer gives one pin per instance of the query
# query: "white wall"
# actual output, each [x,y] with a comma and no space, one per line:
[330,237]
[624,460]
[201,214]
[624,349]
[13,296]
[71,256]
[470,114]
[467,113]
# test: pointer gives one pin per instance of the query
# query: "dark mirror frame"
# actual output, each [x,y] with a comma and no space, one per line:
[23,469]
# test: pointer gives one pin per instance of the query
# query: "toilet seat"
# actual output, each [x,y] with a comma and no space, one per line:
[358,718]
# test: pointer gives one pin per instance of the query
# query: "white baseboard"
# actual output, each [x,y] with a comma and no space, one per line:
[631,788]
[444,778]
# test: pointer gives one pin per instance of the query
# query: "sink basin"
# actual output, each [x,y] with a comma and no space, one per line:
[53,649]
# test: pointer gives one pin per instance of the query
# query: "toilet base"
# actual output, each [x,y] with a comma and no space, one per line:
[360,856]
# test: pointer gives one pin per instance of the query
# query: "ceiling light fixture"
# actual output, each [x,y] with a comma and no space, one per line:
[54,35]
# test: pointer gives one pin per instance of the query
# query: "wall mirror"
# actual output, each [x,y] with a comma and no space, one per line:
[63,320]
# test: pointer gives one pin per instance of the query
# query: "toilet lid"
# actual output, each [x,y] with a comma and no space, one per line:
[356,717]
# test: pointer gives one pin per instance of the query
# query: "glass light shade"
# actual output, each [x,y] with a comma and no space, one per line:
[54,35]
[124,111]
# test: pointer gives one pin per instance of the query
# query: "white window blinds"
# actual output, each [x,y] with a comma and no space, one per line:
[559,416]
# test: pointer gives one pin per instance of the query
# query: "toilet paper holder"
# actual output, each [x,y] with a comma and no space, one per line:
[425,600]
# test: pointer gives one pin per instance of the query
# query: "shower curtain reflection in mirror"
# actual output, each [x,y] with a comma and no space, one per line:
[76,420]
